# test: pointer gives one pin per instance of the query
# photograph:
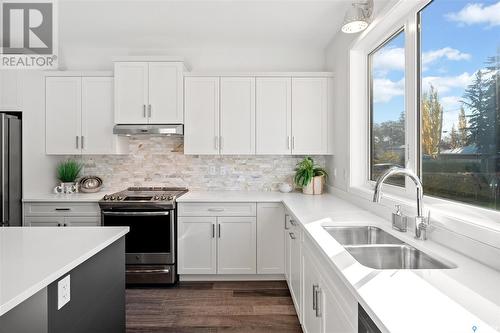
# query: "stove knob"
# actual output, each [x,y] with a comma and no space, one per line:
[112,197]
[106,197]
[119,197]
[157,197]
[163,197]
[170,197]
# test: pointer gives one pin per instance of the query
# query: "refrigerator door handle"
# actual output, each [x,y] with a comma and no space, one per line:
[4,172]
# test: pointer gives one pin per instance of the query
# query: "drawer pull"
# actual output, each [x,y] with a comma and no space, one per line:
[216,209]
[292,235]
[62,209]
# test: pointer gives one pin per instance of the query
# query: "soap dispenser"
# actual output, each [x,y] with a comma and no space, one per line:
[399,221]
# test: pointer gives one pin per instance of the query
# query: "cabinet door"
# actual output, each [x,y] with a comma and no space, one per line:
[10,90]
[309,116]
[311,313]
[237,115]
[47,221]
[296,266]
[165,93]
[236,245]
[288,240]
[131,92]
[270,238]
[78,221]
[197,245]
[63,103]
[97,116]
[273,115]
[332,316]
[201,107]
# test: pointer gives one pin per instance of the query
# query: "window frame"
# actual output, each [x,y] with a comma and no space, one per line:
[370,100]
[464,219]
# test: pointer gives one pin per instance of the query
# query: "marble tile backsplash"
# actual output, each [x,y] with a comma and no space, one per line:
[160,161]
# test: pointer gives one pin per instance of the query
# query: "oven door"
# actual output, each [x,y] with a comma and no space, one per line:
[151,239]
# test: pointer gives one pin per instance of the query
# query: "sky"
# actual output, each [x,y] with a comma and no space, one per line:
[457,38]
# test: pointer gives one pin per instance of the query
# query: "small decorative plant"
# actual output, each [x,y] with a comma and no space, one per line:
[68,171]
[305,172]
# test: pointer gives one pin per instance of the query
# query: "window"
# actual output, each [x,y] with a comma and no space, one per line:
[387,101]
[459,101]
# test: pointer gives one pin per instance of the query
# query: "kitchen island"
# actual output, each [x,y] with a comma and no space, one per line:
[62,279]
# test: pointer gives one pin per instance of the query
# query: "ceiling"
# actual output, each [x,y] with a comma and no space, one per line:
[189,24]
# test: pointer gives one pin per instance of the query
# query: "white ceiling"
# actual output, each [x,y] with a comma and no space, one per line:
[184,24]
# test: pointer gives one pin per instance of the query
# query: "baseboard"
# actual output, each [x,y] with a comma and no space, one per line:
[231,277]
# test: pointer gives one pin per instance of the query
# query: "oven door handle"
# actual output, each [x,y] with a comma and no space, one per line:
[160,213]
[139,271]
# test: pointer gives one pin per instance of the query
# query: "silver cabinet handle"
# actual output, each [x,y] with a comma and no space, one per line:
[288,142]
[293,142]
[82,141]
[292,235]
[219,229]
[221,142]
[286,222]
[314,294]
[151,271]
[318,302]
[77,141]
[62,209]
[213,230]
[149,110]
[293,222]
[216,209]
[144,110]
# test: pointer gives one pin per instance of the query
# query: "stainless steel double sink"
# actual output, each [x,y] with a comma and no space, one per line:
[375,248]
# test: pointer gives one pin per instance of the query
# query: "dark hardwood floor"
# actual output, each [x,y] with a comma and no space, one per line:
[213,307]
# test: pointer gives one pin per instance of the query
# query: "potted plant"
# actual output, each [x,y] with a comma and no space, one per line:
[67,173]
[310,176]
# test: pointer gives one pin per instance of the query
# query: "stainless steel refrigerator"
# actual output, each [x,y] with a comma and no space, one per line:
[10,170]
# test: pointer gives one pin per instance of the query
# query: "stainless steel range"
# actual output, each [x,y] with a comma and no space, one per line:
[150,213]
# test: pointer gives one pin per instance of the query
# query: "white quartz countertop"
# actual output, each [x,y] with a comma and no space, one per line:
[464,299]
[33,257]
[73,197]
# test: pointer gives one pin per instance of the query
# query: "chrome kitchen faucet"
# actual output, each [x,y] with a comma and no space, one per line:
[421,222]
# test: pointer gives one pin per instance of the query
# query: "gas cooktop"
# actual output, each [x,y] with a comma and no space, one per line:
[143,197]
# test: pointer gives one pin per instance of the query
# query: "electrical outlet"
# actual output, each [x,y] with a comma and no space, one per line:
[222,171]
[63,292]
[212,170]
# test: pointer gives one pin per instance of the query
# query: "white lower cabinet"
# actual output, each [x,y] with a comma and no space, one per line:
[270,238]
[293,259]
[61,214]
[236,245]
[217,245]
[325,309]
[197,245]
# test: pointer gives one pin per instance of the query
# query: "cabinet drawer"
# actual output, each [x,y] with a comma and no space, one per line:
[61,209]
[218,209]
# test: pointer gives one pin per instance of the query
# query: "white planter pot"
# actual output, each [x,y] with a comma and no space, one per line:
[315,186]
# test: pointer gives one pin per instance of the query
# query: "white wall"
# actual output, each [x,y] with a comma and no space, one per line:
[337,61]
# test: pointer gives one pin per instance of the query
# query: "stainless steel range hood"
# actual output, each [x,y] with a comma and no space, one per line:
[163,129]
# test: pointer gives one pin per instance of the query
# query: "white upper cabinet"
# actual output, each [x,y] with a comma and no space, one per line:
[310,115]
[131,92]
[63,109]
[97,116]
[201,106]
[148,92]
[79,116]
[273,115]
[165,93]
[10,90]
[278,115]
[237,115]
